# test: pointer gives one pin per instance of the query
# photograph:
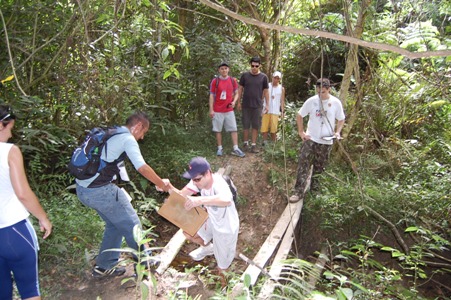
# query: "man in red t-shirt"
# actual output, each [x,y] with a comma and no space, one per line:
[223,97]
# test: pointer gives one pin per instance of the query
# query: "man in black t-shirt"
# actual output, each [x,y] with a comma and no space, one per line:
[252,90]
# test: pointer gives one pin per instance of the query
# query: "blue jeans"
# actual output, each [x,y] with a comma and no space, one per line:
[113,207]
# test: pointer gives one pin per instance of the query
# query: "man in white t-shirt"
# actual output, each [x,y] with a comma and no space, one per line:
[219,234]
[323,110]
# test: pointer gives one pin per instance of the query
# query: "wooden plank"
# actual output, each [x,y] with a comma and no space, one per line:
[173,247]
[282,254]
[170,251]
[315,275]
[271,242]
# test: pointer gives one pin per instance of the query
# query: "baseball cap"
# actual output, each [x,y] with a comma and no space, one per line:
[223,64]
[323,82]
[197,165]
[277,74]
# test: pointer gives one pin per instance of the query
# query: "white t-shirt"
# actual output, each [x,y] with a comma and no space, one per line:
[223,218]
[12,210]
[275,96]
[319,126]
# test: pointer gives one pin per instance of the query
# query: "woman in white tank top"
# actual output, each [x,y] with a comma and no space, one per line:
[17,200]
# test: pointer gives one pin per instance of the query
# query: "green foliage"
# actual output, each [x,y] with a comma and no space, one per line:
[94,63]
[144,262]
[76,227]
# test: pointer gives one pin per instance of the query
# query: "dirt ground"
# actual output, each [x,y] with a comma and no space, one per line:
[258,214]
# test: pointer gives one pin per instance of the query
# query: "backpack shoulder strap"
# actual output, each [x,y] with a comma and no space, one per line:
[234,83]
[109,133]
[216,83]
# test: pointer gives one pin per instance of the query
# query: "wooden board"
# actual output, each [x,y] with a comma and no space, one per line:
[170,251]
[282,254]
[272,241]
[174,211]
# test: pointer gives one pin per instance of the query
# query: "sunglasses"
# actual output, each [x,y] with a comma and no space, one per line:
[197,179]
[255,66]
[5,117]
[8,115]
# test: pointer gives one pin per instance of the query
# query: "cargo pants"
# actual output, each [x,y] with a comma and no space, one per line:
[315,154]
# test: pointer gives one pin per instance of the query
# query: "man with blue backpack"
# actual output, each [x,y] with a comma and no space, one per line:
[100,193]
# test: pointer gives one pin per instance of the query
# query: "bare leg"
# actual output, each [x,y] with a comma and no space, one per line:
[245,135]
[273,137]
[265,136]
[234,135]
[219,138]
[254,135]
[195,239]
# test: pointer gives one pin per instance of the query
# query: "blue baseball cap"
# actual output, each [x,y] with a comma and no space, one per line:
[197,165]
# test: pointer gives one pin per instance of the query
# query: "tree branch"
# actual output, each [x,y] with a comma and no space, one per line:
[390,225]
[328,35]
[10,55]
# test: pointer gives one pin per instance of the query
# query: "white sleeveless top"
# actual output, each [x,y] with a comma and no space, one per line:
[12,210]
[275,95]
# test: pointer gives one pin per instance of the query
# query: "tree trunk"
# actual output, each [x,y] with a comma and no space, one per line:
[352,62]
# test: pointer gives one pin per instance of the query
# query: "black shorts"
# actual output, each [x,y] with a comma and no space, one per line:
[252,117]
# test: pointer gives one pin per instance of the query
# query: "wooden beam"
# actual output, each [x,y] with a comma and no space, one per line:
[282,254]
[266,251]
[170,251]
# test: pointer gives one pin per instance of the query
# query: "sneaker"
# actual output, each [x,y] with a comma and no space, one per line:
[245,147]
[219,152]
[254,149]
[238,152]
[201,252]
[294,198]
[99,272]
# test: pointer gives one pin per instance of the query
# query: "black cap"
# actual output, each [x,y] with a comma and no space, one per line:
[323,82]
[223,64]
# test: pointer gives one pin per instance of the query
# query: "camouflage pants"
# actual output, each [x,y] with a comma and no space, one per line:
[315,154]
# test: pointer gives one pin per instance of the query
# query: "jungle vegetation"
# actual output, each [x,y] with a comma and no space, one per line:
[67,66]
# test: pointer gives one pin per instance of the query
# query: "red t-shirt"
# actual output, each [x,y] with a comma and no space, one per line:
[223,93]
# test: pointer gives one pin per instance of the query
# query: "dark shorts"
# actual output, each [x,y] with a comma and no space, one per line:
[252,117]
[19,255]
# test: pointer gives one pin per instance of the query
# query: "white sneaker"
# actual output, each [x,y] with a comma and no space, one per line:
[201,252]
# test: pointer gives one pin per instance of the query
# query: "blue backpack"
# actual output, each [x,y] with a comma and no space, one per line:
[86,162]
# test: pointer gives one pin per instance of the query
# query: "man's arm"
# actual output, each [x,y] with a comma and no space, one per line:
[240,96]
[235,95]
[266,97]
[340,125]
[216,200]
[146,171]
[301,132]
[211,102]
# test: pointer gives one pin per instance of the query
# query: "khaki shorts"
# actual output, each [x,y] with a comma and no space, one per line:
[270,123]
